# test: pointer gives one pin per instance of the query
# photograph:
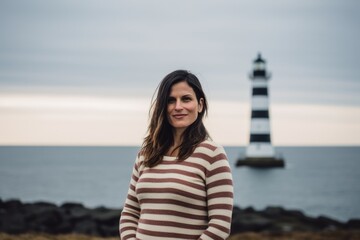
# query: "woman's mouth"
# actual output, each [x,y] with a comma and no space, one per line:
[179,116]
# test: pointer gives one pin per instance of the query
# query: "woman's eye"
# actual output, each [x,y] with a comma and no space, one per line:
[171,100]
[187,99]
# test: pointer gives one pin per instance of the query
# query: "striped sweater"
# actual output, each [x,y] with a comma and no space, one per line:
[190,199]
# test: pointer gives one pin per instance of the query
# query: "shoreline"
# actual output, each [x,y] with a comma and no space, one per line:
[17,218]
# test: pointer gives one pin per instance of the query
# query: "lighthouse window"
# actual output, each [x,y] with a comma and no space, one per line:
[260,138]
[260,114]
[260,91]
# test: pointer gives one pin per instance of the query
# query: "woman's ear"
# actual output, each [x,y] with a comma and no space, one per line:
[201,105]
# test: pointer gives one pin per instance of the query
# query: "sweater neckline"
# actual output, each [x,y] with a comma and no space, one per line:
[172,158]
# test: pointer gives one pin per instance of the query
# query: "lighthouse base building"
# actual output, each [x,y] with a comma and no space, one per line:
[261,162]
[260,152]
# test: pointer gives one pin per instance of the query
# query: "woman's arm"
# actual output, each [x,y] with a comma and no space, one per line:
[220,193]
[131,211]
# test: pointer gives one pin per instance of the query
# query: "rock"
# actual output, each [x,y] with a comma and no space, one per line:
[326,222]
[46,220]
[108,217]
[296,214]
[273,212]
[44,217]
[16,217]
[12,217]
[78,213]
[249,210]
[87,227]
[72,205]
[66,226]
[249,222]
[109,231]
[280,220]
[12,205]
[353,224]
[13,223]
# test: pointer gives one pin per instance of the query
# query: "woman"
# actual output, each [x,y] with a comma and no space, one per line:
[181,185]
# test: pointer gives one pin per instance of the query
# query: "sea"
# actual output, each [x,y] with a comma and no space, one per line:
[320,181]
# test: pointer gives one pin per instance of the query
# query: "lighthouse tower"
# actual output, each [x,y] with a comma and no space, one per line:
[260,152]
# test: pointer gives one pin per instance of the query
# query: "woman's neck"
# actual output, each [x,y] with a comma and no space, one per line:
[177,143]
[178,136]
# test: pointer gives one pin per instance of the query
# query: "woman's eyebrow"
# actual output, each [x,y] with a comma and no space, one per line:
[185,95]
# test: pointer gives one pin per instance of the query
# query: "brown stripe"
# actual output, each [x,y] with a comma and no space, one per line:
[132,198]
[220,156]
[135,178]
[186,163]
[202,156]
[128,221]
[128,228]
[194,165]
[173,224]
[181,172]
[224,169]
[130,236]
[221,182]
[173,202]
[208,146]
[132,207]
[220,206]
[167,234]
[174,213]
[170,190]
[212,235]
[221,228]
[220,195]
[172,180]
[129,214]
[221,217]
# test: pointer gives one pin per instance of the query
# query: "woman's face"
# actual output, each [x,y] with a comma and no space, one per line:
[183,107]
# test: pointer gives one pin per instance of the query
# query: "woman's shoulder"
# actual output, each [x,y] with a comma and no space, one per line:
[210,151]
[140,159]
[210,146]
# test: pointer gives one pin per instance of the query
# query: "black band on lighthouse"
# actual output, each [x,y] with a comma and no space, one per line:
[260,114]
[260,91]
[260,138]
[259,73]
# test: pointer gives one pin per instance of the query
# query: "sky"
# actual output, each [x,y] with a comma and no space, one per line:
[84,72]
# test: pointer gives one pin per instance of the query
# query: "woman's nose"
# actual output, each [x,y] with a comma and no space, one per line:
[178,105]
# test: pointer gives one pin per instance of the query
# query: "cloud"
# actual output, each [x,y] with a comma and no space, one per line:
[123,49]
[87,120]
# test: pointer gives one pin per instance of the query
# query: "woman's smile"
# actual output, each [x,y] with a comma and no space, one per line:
[179,116]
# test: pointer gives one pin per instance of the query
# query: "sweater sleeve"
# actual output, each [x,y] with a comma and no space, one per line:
[219,187]
[131,210]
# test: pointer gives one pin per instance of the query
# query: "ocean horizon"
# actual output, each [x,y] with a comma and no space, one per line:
[318,180]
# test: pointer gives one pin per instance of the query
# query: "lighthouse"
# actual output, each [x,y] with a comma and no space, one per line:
[260,152]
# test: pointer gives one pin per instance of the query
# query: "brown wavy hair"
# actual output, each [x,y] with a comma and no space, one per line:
[159,137]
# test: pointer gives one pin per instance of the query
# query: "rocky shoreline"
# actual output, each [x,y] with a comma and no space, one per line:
[42,217]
